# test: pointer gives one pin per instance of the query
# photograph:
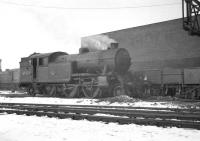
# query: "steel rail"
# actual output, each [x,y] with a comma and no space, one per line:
[156,116]
[193,110]
[120,120]
[117,112]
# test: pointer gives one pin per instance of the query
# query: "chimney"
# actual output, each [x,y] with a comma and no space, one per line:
[83,50]
[114,45]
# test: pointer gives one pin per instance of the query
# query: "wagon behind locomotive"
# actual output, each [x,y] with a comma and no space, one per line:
[9,79]
[183,82]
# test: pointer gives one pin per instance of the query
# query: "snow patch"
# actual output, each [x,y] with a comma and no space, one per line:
[32,128]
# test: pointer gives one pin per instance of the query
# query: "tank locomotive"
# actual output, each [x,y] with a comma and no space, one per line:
[89,74]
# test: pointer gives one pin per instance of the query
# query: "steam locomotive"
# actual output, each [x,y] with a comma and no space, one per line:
[103,73]
[87,74]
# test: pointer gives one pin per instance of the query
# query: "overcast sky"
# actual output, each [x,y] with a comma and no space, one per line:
[28,26]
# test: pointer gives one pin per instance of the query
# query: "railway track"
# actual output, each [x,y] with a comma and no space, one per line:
[166,117]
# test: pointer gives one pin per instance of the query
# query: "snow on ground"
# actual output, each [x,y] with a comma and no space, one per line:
[114,101]
[78,101]
[10,92]
[32,128]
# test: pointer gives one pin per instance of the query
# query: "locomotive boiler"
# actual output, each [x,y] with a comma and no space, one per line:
[114,60]
[89,74]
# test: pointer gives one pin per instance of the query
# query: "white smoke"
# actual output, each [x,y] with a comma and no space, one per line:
[97,42]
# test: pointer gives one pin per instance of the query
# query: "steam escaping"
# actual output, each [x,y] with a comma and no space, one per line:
[97,42]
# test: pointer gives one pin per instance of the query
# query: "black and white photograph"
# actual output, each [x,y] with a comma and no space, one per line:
[98,70]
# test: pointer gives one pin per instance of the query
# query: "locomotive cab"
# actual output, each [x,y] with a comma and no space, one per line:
[39,68]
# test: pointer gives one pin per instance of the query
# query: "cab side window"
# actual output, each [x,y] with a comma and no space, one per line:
[43,61]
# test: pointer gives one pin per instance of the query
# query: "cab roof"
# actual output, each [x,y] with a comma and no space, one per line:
[42,55]
[51,56]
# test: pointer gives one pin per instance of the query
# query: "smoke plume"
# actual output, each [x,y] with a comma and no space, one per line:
[97,42]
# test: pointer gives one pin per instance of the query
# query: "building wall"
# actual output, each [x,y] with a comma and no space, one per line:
[160,41]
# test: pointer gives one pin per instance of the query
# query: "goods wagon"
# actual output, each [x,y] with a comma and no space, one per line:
[182,82]
[9,79]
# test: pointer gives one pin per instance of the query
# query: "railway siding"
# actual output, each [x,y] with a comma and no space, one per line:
[165,117]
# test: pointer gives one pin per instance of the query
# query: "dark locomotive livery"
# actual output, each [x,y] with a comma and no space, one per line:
[89,74]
